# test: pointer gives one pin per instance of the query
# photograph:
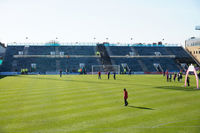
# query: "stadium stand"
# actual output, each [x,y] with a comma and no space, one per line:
[44,59]
[2,49]
[119,50]
[2,52]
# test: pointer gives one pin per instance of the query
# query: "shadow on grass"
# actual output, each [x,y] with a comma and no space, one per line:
[2,76]
[63,80]
[80,81]
[178,88]
[140,107]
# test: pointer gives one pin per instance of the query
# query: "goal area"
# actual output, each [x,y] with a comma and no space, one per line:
[105,68]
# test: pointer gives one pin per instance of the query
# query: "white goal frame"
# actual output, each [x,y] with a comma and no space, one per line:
[102,68]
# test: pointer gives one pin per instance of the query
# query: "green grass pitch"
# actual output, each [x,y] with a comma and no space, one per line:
[84,104]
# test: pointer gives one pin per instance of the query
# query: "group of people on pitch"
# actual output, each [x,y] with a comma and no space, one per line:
[179,77]
[114,75]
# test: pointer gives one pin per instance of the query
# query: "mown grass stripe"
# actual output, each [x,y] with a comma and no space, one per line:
[89,103]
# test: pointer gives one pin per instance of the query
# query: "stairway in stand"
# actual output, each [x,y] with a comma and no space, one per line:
[105,58]
[26,50]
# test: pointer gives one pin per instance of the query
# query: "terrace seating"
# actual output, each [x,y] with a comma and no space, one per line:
[68,50]
[165,63]
[78,50]
[131,62]
[151,50]
[135,65]
[178,51]
[48,64]
[119,50]
[146,64]
[40,50]
[110,55]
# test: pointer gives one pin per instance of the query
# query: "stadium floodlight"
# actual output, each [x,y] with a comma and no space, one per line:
[197,28]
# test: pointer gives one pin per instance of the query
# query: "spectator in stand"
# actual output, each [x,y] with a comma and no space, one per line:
[125,97]
[99,75]
[98,53]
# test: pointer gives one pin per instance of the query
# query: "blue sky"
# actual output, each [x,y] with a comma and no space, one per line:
[81,20]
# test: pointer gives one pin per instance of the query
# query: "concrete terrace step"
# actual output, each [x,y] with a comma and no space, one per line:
[88,56]
[55,56]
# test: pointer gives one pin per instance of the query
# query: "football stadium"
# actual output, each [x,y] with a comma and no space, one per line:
[99,66]
[57,87]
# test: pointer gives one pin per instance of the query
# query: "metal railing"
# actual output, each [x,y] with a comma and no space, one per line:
[92,44]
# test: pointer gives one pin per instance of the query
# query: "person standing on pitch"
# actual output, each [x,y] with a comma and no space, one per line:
[129,71]
[188,81]
[199,75]
[170,77]
[175,74]
[125,97]
[181,75]
[66,71]
[178,77]
[60,73]
[99,73]
[108,75]
[167,75]
[114,76]
[164,73]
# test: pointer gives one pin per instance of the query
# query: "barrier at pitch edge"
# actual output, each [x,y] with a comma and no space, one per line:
[192,69]
[10,73]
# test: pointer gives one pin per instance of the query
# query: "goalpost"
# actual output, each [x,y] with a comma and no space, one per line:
[105,68]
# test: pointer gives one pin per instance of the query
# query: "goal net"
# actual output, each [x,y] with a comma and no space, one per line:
[105,68]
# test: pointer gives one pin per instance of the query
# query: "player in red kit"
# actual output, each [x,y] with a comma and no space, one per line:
[125,97]
[99,75]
